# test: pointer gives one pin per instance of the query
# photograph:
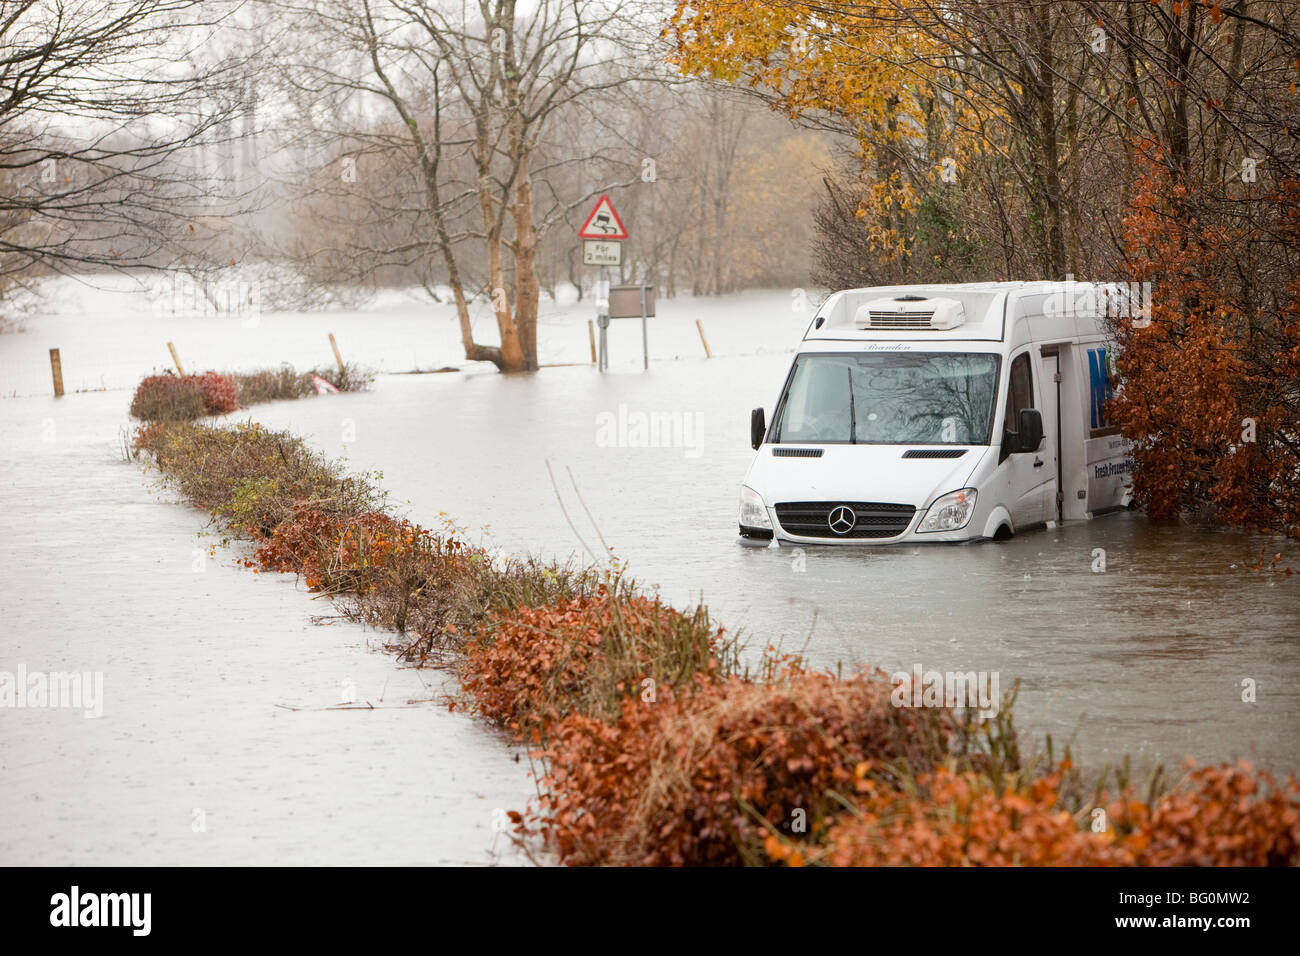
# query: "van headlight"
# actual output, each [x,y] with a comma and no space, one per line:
[949,512]
[753,510]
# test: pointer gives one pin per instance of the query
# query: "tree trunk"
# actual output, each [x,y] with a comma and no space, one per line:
[473,351]
[697,273]
[1229,104]
[575,280]
[512,356]
[1049,152]
[719,230]
[527,293]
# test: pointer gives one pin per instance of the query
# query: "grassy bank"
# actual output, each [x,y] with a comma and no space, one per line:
[657,745]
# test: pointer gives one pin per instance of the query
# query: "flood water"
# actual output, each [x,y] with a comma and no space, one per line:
[218,740]
[202,661]
[1146,658]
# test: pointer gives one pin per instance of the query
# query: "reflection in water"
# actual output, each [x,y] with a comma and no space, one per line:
[1147,657]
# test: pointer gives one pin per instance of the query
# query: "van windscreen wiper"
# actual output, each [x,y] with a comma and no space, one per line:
[853,414]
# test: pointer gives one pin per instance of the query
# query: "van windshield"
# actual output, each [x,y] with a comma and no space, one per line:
[892,398]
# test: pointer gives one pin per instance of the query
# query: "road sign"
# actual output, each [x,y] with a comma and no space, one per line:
[631,301]
[601,252]
[603,223]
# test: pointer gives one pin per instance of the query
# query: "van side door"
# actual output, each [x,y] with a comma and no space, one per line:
[1053,358]
[1021,475]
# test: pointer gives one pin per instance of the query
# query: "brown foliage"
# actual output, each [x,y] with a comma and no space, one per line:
[1223,816]
[172,398]
[1211,387]
[530,666]
[701,776]
[966,819]
[1226,816]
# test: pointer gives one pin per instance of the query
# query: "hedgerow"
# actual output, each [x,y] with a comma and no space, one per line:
[168,397]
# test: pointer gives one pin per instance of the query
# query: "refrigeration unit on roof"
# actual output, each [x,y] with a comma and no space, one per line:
[910,313]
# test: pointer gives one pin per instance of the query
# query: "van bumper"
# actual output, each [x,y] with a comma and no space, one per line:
[909,538]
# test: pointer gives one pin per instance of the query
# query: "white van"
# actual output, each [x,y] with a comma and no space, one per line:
[941,413]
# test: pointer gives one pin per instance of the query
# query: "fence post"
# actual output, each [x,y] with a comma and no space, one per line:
[176,358]
[700,326]
[56,370]
[338,358]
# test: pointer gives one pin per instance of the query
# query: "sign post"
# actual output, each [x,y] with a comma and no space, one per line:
[602,245]
[634,302]
[602,319]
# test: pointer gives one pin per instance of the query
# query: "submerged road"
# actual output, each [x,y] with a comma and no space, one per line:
[195,758]
[1150,658]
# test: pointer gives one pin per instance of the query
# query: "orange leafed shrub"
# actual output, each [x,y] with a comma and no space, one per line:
[1227,816]
[350,552]
[530,666]
[296,545]
[220,394]
[372,541]
[741,772]
[1211,386]
[961,820]
[149,435]
[701,776]
[386,572]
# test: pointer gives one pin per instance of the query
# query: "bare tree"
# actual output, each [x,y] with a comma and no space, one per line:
[99,102]
[470,89]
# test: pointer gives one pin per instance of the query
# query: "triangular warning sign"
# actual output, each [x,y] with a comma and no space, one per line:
[603,223]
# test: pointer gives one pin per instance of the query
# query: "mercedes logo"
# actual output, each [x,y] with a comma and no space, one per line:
[842,519]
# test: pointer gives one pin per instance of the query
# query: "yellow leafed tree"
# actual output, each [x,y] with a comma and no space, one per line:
[869,73]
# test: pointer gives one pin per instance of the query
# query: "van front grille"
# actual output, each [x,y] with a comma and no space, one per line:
[784,452]
[864,519]
[934,452]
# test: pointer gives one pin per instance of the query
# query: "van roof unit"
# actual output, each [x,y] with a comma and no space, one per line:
[973,311]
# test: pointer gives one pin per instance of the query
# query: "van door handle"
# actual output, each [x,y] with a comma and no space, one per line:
[1038,463]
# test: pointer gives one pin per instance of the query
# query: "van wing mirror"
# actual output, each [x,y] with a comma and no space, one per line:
[1031,429]
[757,427]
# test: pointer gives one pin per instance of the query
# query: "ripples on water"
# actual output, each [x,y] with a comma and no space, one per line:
[1146,658]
